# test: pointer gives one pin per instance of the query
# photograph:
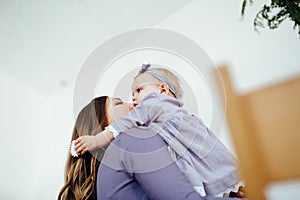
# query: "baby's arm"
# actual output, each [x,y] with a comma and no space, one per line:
[90,143]
[139,116]
[148,111]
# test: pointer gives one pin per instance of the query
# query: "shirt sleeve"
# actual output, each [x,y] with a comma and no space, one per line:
[148,111]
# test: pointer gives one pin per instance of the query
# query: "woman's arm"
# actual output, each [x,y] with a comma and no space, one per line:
[169,183]
[153,168]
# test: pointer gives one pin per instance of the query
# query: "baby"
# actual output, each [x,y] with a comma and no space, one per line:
[199,154]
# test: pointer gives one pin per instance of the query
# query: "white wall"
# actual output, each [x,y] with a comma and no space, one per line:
[35,135]
[57,130]
[254,59]
[36,128]
[21,133]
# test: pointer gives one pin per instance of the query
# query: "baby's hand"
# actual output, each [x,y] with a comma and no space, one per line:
[241,193]
[85,143]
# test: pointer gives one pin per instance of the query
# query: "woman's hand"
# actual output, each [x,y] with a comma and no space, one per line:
[85,143]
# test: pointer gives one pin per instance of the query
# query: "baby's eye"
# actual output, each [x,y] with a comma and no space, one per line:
[138,90]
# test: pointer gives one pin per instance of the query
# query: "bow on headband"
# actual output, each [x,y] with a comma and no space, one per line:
[144,68]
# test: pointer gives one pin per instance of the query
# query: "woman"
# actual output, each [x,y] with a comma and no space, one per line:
[81,172]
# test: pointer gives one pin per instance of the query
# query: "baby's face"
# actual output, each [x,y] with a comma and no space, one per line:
[143,85]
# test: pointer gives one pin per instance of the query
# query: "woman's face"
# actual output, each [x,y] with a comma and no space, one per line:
[116,108]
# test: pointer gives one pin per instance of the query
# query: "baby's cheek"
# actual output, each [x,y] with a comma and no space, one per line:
[140,98]
[121,111]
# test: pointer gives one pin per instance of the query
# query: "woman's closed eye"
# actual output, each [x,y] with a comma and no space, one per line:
[119,103]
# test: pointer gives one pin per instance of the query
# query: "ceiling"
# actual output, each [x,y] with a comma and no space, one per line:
[44,43]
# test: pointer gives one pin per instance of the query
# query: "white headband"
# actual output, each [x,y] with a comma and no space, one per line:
[157,74]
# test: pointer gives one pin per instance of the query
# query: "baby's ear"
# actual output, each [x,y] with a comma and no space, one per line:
[164,89]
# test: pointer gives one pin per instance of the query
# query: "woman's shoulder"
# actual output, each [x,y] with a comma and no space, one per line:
[138,137]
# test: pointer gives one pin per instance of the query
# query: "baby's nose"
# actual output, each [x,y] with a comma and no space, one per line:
[133,98]
[134,101]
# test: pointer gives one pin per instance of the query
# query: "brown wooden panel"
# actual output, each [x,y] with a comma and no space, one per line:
[243,143]
[265,127]
[274,114]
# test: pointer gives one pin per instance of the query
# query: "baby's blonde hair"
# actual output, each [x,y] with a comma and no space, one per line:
[171,77]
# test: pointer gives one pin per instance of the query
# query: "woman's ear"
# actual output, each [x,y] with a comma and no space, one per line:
[164,89]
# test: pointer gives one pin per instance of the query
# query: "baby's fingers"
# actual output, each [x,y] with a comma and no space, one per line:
[78,140]
[84,151]
[78,144]
[80,148]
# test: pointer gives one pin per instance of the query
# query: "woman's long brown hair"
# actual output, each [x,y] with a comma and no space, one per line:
[81,172]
